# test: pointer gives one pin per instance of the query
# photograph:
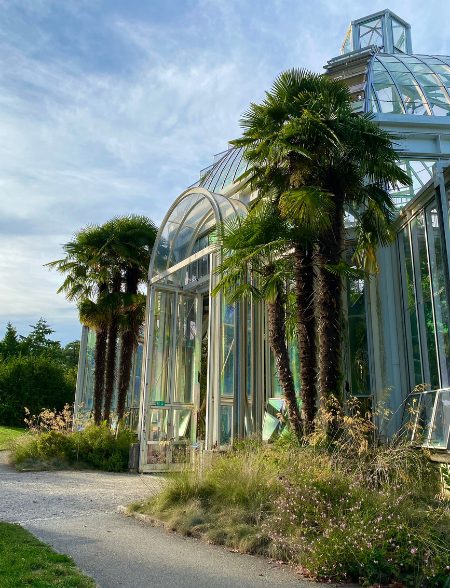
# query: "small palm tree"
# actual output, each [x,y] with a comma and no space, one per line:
[255,264]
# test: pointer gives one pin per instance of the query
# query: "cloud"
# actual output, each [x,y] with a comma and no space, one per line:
[109,108]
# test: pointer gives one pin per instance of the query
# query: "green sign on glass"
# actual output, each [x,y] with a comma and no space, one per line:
[160,403]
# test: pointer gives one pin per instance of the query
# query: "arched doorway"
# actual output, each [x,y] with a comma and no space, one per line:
[181,313]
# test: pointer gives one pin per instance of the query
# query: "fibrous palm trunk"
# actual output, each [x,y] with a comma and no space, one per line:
[99,372]
[110,376]
[113,331]
[277,339]
[306,331]
[129,340]
[329,308]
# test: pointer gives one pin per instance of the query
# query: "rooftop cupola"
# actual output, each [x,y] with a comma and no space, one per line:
[384,30]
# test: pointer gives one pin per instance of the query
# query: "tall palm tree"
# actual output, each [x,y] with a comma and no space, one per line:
[309,152]
[86,281]
[255,263]
[131,244]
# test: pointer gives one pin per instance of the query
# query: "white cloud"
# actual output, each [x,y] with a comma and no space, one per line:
[105,112]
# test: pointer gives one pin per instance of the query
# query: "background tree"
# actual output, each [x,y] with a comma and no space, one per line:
[35,372]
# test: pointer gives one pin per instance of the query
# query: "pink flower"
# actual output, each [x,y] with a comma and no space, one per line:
[414,550]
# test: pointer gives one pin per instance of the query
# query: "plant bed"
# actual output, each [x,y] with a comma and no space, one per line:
[373,519]
[95,447]
[25,561]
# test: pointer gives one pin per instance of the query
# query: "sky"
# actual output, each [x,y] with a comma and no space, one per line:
[112,107]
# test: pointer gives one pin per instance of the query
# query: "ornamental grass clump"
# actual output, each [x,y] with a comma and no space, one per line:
[52,444]
[346,510]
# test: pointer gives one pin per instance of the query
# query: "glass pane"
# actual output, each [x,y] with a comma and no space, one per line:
[441,424]
[228,350]
[185,368]
[409,304]
[424,415]
[159,373]
[420,172]
[425,306]
[182,420]
[357,328]
[399,36]
[371,33]
[226,420]
[441,311]
[158,425]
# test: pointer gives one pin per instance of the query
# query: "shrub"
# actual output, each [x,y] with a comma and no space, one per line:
[96,446]
[33,382]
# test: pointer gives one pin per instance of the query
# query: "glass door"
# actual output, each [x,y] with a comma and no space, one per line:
[174,373]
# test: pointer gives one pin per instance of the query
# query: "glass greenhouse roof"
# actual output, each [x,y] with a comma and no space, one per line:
[225,171]
[409,84]
[190,219]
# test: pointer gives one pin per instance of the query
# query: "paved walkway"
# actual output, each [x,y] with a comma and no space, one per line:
[76,513]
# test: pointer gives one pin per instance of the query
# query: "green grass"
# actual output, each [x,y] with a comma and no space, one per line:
[25,561]
[8,434]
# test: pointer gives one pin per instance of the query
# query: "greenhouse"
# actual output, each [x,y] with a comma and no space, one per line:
[207,374]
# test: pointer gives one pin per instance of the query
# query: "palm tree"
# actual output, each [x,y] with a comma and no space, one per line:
[255,264]
[312,155]
[131,244]
[86,278]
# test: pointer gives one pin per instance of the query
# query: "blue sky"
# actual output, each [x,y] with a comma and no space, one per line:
[111,107]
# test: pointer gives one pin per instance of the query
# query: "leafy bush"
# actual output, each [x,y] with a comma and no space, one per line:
[32,382]
[96,446]
[321,512]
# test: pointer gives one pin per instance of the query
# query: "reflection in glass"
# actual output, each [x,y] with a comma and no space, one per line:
[399,36]
[185,350]
[441,424]
[409,305]
[424,299]
[357,328]
[226,421]
[228,350]
[441,311]
[159,374]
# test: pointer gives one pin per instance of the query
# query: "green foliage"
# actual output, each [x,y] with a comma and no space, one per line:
[25,561]
[329,513]
[35,371]
[8,434]
[32,382]
[95,446]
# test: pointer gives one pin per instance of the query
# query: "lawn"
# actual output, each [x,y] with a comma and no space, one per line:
[7,434]
[25,561]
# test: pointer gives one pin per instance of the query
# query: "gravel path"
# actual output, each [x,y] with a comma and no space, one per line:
[76,513]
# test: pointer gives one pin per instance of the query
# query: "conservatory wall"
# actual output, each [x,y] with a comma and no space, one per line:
[84,395]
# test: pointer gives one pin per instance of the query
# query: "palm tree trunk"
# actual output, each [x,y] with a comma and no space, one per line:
[113,331]
[306,331]
[126,360]
[110,376]
[128,342]
[277,340]
[99,373]
[329,309]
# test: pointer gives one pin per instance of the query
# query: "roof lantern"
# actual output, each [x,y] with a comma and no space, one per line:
[383,30]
